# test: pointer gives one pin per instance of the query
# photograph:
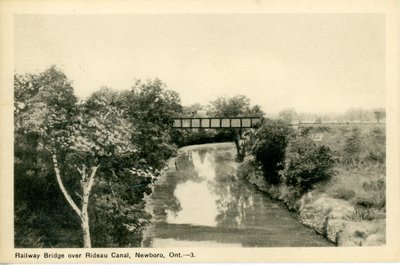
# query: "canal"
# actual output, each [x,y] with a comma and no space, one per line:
[201,202]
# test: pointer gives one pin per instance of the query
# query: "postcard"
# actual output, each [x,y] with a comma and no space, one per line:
[199,131]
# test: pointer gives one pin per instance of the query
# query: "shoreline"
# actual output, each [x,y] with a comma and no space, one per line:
[327,216]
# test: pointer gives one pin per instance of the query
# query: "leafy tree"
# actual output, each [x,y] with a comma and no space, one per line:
[44,105]
[81,144]
[123,178]
[288,115]
[194,110]
[268,145]
[151,107]
[238,106]
[307,163]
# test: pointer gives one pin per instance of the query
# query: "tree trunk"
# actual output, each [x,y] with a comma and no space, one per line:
[63,189]
[237,137]
[86,185]
[87,243]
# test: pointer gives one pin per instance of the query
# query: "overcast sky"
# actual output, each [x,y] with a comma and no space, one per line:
[313,63]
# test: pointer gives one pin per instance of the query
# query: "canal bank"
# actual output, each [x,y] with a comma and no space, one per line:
[201,201]
[335,219]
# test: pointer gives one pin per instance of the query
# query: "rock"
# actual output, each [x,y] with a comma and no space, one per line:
[375,239]
[333,228]
[364,233]
[320,212]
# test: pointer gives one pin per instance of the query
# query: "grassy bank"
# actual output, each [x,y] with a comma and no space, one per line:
[347,204]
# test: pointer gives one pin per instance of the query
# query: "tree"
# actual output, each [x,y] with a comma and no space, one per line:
[288,115]
[151,107]
[237,106]
[268,145]
[379,114]
[307,163]
[80,137]
[194,110]
[43,105]
[95,138]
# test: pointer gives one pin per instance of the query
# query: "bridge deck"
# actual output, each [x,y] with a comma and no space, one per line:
[225,122]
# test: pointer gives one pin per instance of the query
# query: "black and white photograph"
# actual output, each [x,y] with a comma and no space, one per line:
[144,132]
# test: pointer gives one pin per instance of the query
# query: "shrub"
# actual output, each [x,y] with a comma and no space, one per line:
[374,194]
[352,146]
[268,145]
[364,213]
[376,141]
[248,169]
[307,163]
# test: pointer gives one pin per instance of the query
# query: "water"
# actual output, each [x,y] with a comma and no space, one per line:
[204,203]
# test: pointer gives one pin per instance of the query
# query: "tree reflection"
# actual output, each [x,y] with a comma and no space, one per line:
[236,202]
[163,199]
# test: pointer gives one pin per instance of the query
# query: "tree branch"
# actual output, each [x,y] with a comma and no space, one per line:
[105,116]
[79,170]
[91,178]
[80,196]
[63,189]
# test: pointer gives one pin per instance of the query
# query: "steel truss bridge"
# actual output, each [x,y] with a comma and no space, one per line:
[216,122]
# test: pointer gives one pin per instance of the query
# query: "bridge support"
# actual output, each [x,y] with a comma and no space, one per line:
[239,149]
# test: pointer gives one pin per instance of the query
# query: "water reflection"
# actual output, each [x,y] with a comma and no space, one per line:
[204,164]
[193,197]
[205,201]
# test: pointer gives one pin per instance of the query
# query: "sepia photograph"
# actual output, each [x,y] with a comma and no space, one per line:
[138,133]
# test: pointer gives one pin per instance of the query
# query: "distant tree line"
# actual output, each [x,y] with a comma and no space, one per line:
[359,115]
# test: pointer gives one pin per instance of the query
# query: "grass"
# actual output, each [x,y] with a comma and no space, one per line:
[360,170]
[363,186]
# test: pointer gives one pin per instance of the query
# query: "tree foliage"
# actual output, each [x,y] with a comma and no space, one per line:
[95,154]
[307,163]
[151,107]
[237,106]
[268,145]
[288,115]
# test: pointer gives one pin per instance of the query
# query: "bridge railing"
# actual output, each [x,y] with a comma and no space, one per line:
[216,122]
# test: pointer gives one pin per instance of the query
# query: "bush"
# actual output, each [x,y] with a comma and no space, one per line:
[352,146]
[376,141]
[268,145]
[307,163]
[365,213]
[374,194]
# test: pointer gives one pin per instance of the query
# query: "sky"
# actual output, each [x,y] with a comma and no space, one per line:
[310,62]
